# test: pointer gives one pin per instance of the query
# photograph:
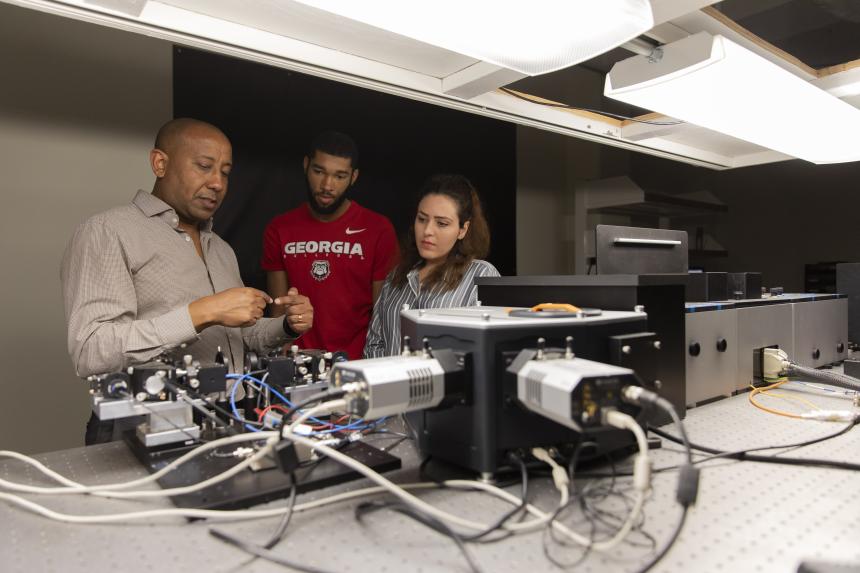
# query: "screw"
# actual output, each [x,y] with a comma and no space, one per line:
[194,383]
[626,349]
[658,345]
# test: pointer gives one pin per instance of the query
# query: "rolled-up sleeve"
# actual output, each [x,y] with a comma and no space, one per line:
[104,334]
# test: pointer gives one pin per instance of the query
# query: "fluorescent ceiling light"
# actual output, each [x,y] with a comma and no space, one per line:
[713,82]
[530,37]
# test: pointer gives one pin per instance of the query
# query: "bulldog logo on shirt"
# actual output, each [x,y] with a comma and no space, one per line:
[320,269]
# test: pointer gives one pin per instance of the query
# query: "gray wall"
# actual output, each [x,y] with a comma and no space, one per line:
[549,166]
[780,215]
[79,106]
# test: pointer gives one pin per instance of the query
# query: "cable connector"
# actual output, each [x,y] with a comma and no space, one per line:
[639,396]
[301,429]
[774,362]
[559,474]
[351,388]
[831,415]
[642,473]
[688,485]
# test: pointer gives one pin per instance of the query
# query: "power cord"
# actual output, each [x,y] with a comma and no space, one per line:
[688,475]
[743,455]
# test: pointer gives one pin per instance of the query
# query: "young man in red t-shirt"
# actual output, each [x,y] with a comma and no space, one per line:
[332,249]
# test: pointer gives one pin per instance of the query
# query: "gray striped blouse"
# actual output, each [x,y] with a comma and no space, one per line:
[383,336]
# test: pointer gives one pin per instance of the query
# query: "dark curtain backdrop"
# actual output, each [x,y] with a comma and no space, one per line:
[271,114]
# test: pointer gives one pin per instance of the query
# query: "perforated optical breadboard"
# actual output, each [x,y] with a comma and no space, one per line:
[749,517]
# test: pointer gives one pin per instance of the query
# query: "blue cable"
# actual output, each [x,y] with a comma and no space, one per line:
[235,409]
[357,425]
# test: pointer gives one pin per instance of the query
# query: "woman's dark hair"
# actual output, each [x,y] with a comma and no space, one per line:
[475,245]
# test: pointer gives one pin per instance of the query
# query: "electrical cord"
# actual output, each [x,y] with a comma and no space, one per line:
[312,399]
[275,538]
[744,455]
[832,378]
[428,520]
[763,390]
[668,545]
[737,454]
[78,488]
[688,475]
[524,476]
[263,553]
[597,111]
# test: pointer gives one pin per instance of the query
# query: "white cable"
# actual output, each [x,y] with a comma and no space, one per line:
[217,513]
[323,408]
[383,481]
[104,490]
[235,515]
[271,440]
[617,419]
[75,487]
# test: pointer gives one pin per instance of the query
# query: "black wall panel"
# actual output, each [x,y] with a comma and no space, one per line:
[271,114]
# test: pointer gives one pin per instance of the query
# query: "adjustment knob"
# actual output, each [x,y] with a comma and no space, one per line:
[695,349]
[816,354]
[154,385]
[722,345]
[840,348]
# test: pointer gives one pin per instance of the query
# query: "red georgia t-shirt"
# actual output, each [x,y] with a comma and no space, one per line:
[334,264]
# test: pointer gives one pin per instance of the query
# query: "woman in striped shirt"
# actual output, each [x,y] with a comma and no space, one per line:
[440,260]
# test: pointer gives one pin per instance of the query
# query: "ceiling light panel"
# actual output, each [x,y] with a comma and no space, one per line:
[715,83]
[533,38]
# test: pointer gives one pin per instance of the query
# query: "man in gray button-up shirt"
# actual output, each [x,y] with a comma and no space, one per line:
[151,277]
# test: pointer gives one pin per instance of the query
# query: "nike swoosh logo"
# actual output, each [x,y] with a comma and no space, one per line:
[354,231]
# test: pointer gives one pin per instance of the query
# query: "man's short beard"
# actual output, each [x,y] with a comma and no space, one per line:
[327,209]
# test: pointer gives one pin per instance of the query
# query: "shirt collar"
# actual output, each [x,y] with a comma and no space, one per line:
[152,206]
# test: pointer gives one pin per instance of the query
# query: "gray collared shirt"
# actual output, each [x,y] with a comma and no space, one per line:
[383,335]
[128,276]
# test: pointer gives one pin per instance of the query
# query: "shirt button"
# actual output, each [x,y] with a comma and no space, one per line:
[175,220]
[187,238]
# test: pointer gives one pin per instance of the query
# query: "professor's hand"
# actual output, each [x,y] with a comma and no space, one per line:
[300,313]
[235,307]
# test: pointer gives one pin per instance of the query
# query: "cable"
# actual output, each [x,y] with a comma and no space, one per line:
[262,384]
[597,111]
[761,390]
[276,537]
[264,553]
[428,520]
[524,475]
[672,539]
[688,475]
[313,398]
[75,487]
[743,455]
[735,454]
[832,378]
